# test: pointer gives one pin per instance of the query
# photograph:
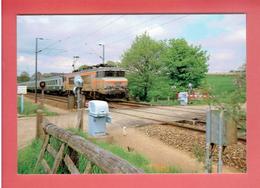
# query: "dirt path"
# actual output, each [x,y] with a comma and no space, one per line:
[159,153]
[26,126]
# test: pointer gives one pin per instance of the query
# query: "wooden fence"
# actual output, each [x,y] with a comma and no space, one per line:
[73,144]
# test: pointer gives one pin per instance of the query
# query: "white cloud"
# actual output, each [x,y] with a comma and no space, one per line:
[154,32]
[223,56]
[238,36]
[76,31]
[20,59]
[224,61]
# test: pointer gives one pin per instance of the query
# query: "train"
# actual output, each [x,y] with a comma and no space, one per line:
[99,82]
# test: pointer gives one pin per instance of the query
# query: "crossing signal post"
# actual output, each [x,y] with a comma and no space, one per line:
[78,83]
[42,85]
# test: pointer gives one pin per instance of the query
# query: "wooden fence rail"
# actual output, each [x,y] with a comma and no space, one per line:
[105,160]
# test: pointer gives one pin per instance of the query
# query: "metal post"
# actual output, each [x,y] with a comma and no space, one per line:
[22,103]
[42,99]
[36,58]
[208,140]
[103,54]
[78,98]
[220,137]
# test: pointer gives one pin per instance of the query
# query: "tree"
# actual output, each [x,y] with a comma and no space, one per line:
[113,63]
[161,88]
[143,65]
[82,67]
[24,77]
[184,63]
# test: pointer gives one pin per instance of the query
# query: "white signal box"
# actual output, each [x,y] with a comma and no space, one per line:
[22,90]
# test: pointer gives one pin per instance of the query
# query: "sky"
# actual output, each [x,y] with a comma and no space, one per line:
[223,36]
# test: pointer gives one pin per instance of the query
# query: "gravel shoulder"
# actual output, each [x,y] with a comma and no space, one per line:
[161,154]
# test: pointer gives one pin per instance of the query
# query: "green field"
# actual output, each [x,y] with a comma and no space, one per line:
[221,84]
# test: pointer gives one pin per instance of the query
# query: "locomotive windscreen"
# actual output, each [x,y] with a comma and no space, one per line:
[110,74]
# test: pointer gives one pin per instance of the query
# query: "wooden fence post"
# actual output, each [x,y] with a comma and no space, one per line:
[39,128]
[80,119]
[83,101]
[77,145]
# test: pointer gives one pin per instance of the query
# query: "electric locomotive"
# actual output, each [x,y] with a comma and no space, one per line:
[99,82]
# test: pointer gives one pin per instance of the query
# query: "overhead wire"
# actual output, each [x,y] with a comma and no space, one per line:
[165,23]
[135,25]
[109,23]
[140,23]
[58,41]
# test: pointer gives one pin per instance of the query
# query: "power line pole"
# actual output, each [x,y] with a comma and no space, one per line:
[36,59]
[103,56]
[75,58]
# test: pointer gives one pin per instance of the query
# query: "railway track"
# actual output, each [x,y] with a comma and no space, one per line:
[176,124]
[49,97]
[141,107]
[200,117]
[52,100]
[132,104]
[196,115]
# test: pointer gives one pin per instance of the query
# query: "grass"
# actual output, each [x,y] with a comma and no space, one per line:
[31,108]
[221,84]
[198,152]
[27,158]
